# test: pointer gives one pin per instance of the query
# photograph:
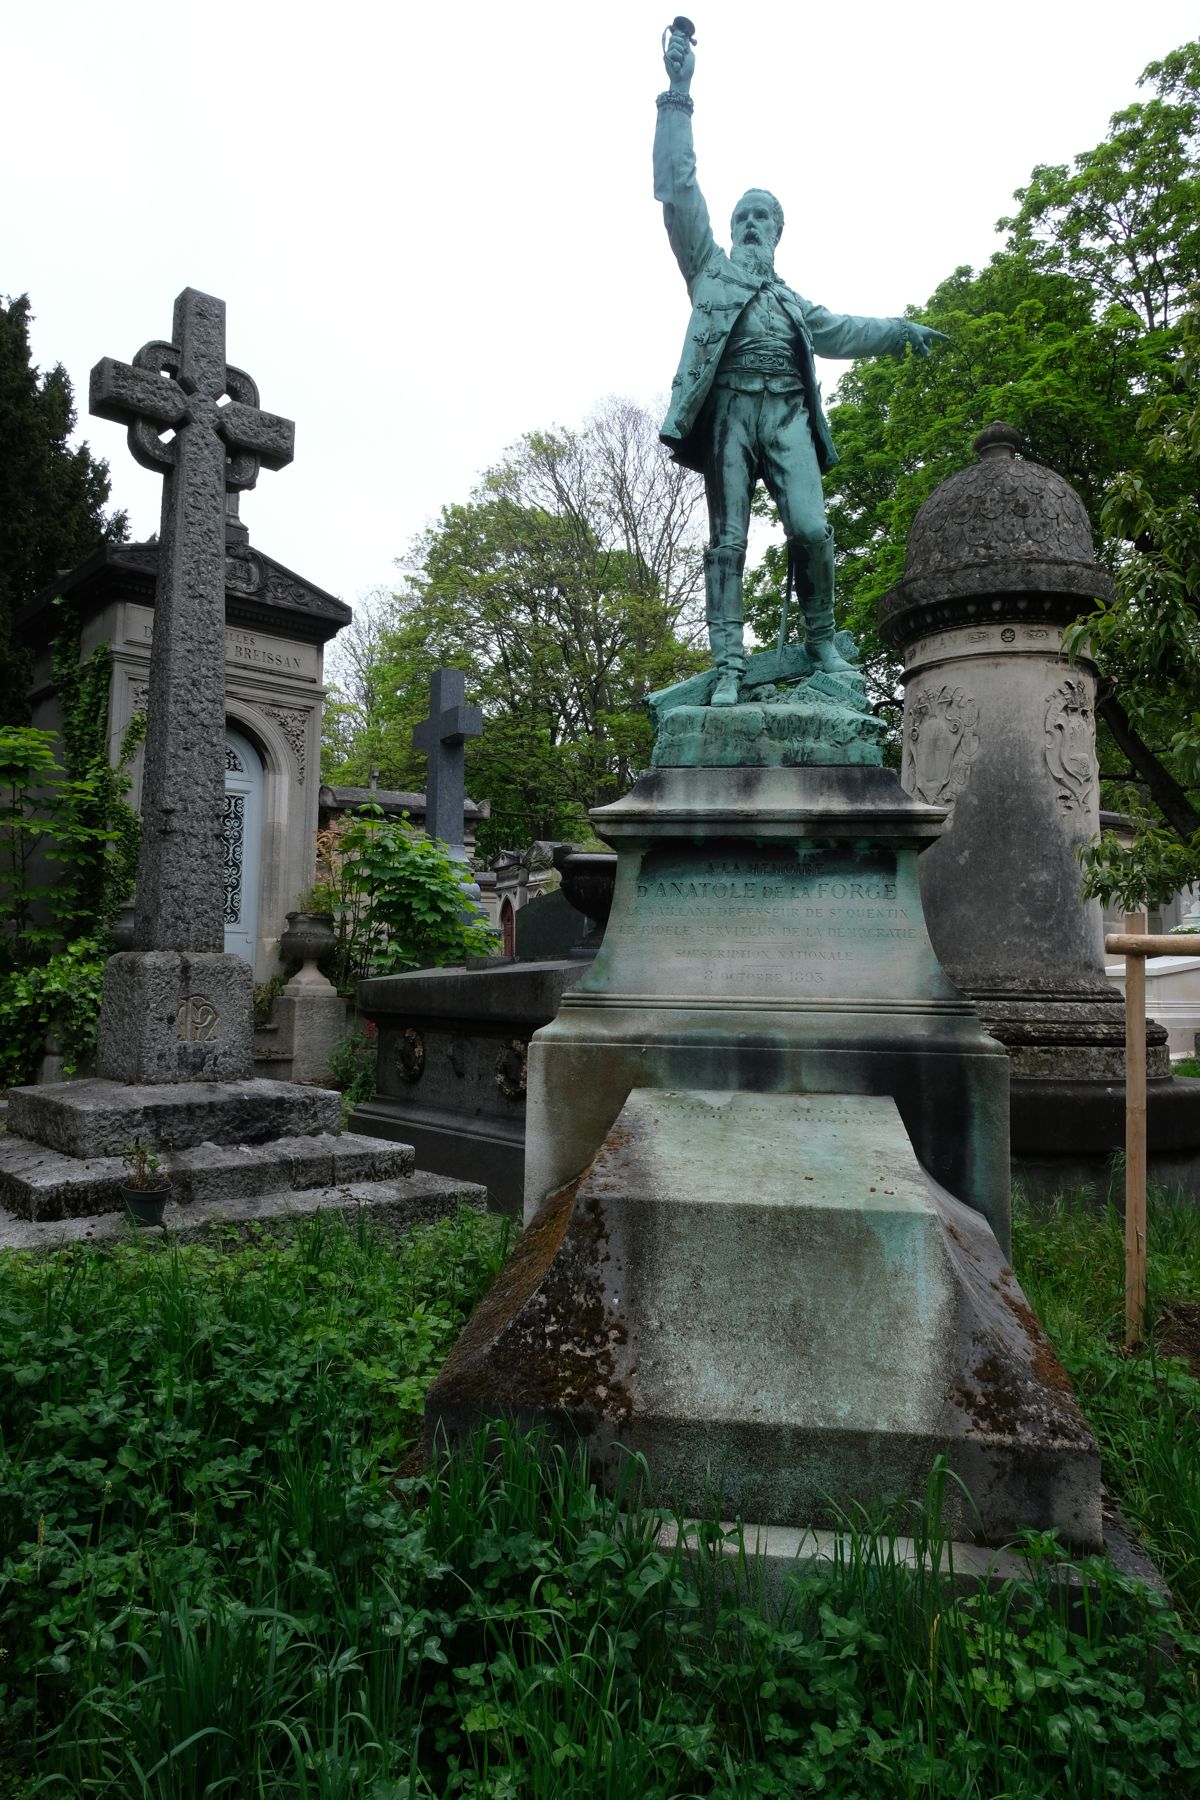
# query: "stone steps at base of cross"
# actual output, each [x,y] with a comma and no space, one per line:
[395,1206]
[40,1183]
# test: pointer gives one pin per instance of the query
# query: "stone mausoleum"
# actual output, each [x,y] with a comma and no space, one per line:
[276,627]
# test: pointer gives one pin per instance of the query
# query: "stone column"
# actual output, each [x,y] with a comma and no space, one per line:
[999,727]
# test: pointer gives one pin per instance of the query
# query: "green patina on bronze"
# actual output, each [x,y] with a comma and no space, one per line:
[745,405]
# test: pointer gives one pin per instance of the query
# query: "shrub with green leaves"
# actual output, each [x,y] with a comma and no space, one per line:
[354,1068]
[66,860]
[397,900]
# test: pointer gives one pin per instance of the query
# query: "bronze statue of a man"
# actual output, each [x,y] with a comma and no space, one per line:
[745,401]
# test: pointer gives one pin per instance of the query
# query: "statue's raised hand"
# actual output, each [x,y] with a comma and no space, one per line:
[923,337]
[680,61]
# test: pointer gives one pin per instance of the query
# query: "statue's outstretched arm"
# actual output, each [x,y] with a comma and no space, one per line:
[843,335]
[685,213]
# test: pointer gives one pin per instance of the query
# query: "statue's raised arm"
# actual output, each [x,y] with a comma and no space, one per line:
[684,211]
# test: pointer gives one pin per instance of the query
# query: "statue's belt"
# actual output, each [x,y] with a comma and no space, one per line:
[758,362]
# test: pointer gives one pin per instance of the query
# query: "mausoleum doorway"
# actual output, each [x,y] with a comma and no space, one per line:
[242,836]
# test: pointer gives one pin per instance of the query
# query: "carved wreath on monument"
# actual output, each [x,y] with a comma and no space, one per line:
[941,744]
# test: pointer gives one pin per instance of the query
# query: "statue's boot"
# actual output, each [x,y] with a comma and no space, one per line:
[813,564]
[723,599]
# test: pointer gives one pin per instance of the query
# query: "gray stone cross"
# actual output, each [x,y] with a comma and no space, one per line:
[442,736]
[221,436]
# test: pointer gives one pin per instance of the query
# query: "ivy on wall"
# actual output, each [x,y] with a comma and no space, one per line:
[68,857]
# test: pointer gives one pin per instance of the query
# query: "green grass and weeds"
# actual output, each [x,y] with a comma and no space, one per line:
[1144,1407]
[210,1584]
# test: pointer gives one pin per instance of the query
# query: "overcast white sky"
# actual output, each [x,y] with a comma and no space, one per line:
[433,226]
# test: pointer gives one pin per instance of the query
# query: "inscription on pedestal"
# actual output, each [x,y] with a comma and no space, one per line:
[198,1019]
[739,921]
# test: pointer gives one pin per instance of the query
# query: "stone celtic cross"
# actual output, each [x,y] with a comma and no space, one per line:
[442,737]
[220,437]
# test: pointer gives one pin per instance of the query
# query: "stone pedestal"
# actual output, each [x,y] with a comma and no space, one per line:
[306,1029]
[766,1296]
[766,934]
[766,1185]
[175,1015]
[251,1153]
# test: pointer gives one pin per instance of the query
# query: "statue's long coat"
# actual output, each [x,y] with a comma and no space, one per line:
[719,291]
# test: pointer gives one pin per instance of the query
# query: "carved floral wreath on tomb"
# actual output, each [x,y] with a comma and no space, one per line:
[410,1054]
[511,1066]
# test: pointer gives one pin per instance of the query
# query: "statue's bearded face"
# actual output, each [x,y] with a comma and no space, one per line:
[756,223]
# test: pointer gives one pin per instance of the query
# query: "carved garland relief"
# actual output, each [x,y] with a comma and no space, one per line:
[940,744]
[293,722]
[1071,744]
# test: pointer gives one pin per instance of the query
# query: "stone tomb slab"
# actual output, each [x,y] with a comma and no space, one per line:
[769,1298]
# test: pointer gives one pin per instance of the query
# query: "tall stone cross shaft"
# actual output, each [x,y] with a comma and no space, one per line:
[220,438]
[442,737]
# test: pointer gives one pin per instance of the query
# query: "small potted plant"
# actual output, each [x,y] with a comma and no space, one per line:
[147,1187]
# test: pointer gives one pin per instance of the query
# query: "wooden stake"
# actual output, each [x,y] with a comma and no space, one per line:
[1135,1134]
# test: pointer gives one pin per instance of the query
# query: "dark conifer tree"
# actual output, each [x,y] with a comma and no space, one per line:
[52,497]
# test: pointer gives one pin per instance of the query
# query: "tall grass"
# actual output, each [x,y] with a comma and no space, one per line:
[213,1584]
[1144,1407]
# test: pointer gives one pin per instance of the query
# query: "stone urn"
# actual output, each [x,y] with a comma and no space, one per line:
[588,877]
[309,937]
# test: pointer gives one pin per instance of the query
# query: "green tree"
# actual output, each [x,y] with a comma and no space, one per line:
[1024,346]
[1148,641]
[51,497]
[1124,219]
[68,854]
[568,587]
[355,732]
[1066,334]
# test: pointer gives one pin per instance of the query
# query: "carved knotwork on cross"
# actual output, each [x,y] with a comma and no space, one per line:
[168,386]
[221,439]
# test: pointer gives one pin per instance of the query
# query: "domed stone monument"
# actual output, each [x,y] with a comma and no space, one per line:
[999,728]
